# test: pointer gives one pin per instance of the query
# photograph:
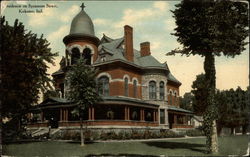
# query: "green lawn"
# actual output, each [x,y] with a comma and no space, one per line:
[231,145]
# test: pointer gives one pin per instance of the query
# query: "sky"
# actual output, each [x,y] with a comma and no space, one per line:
[151,21]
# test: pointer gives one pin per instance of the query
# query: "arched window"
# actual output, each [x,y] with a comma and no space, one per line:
[103,86]
[75,55]
[126,86]
[170,98]
[87,56]
[152,90]
[135,88]
[162,91]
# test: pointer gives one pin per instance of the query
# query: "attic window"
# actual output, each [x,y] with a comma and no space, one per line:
[103,58]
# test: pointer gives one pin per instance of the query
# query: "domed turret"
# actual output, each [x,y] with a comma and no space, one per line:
[82,28]
[82,24]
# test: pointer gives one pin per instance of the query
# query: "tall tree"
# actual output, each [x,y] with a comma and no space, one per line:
[211,28]
[82,89]
[24,64]
[233,108]
[187,101]
[200,92]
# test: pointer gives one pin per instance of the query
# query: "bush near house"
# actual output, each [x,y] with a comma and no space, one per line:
[124,135]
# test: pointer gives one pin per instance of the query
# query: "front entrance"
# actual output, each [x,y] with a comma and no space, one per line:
[170,120]
[53,116]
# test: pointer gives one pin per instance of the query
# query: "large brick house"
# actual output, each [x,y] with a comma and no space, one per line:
[138,91]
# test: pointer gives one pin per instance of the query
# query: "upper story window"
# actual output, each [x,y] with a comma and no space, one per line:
[103,86]
[75,55]
[135,88]
[86,55]
[162,91]
[170,97]
[152,90]
[126,86]
[175,94]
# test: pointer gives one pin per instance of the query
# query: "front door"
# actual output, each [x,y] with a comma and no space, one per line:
[170,120]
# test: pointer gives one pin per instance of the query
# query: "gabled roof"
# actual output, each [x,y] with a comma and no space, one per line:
[113,46]
[173,79]
[105,39]
[54,100]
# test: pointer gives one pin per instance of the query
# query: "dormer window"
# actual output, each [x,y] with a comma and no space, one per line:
[103,58]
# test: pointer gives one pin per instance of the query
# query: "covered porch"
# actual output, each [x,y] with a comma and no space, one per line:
[179,118]
[110,112]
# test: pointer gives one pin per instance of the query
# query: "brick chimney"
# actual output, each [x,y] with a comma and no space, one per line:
[128,35]
[145,49]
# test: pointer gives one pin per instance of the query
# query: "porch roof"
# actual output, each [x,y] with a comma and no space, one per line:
[177,109]
[52,102]
[128,99]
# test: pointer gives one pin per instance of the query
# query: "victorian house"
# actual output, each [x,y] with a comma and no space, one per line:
[138,91]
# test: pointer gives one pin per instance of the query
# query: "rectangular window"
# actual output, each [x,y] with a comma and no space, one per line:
[162,116]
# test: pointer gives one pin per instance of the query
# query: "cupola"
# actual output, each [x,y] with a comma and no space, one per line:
[82,24]
[81,27]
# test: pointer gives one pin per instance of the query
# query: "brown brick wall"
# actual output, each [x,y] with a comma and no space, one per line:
[175,100]
[118,88]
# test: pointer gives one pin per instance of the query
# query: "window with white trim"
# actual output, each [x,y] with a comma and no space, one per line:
[126,86]
[152,90]
[103,86]
[162,90]
[135,88]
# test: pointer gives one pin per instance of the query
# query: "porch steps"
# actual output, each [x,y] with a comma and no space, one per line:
[53,131]
[40,132]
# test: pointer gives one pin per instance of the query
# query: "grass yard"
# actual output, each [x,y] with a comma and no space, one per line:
[231,145]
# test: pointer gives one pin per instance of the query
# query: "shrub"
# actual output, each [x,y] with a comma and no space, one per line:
[171,134]
[194,132]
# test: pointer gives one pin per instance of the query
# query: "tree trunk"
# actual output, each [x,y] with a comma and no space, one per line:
[232,131]
[81,130]
[244,129]
[210,112]
[214,139]
[219,128]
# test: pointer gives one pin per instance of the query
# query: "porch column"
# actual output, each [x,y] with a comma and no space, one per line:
[154,119]
[125,113]
[128,113]
[93,113]
[157,116]
[141,114]
[61,114]
[66,114]
[175,119]
[90,114]
[41,116]
[143,117]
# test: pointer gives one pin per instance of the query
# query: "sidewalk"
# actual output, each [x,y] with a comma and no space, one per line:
[145,140]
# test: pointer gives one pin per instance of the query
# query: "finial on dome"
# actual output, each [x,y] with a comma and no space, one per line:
[82,6]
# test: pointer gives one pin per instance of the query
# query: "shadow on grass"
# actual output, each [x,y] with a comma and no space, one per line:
[79,142]
[178,145]
[121,155]
[22,141]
